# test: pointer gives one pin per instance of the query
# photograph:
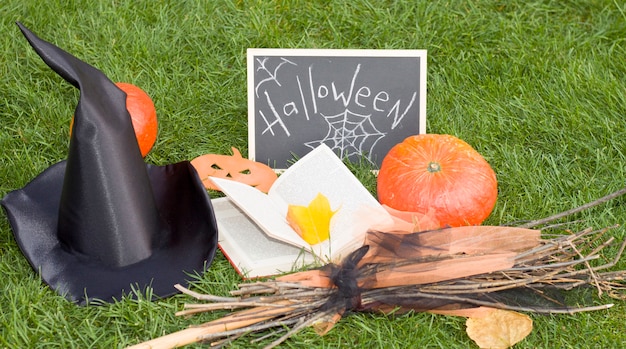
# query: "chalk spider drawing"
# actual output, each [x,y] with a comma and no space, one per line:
[271,75]
[350,134]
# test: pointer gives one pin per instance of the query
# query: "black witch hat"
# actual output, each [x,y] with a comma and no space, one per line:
[103,222]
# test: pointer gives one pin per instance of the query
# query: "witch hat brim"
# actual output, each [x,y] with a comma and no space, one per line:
[103,223]
[188,247]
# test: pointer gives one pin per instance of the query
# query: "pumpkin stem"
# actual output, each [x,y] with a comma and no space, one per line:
[433,167]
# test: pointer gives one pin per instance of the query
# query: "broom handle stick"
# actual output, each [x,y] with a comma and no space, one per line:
[195,334]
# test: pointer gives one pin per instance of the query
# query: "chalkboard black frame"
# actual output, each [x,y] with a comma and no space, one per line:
[360,102]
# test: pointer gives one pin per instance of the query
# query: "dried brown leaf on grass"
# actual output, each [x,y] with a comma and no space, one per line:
[499,329]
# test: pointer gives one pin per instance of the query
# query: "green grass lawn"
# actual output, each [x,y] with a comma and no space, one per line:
[538,87]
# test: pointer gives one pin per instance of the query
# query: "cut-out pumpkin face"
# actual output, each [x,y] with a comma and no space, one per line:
[235,168]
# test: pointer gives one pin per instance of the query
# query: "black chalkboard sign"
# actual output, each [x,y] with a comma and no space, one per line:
[358,102]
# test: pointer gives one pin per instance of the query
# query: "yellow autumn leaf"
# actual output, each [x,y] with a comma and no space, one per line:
[500,329]
[311,222]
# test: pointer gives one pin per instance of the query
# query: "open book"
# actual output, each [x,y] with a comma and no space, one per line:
[253,229]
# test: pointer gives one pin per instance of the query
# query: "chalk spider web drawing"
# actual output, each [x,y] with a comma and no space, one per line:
[350,134]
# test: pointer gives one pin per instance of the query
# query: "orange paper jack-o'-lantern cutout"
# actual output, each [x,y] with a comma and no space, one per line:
[234,167]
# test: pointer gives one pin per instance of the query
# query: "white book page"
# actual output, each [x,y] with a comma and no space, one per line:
[321,171]
[262,210]
[249,249]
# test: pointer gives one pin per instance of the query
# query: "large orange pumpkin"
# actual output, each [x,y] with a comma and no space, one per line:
[440,175]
